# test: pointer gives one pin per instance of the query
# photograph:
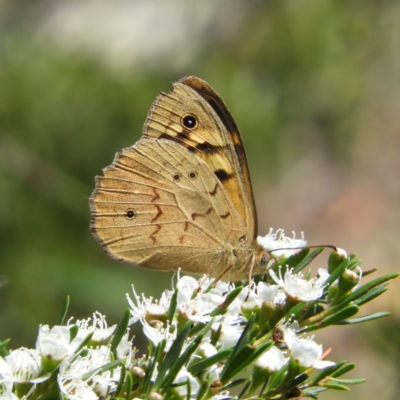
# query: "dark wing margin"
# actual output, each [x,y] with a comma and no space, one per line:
[220,108]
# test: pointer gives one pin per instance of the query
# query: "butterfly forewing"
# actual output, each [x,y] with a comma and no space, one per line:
[213,137]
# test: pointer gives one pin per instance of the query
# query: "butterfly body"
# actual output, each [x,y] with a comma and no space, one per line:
[181,196]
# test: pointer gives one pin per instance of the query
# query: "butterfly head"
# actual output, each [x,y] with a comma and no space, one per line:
[264,257]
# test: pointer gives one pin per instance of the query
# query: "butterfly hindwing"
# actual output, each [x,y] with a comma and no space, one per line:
[159,206]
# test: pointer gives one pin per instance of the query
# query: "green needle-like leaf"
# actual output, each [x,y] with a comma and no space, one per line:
[208,362]
[121,380]
[297,311]
[234,383]
[129,384]
[371,294]
[179,360]
[292,370]
[337,272]
[333,319]
[335,386]
[343,370]
[152,365]
[120,330]
[182,360]
[73,331]
[243,358]
[189,389]
[246,387]
[203,389]
[173,354]
[172,305]
[313,391]
[354,381]
[3,348]
[276,379]
[84,342]
[366,288]
[243,341]
[322,374]
[365,318]
[103,368]
[221,309]
[64,311]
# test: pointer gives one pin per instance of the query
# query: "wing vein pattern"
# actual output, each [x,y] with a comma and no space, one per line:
[160,206]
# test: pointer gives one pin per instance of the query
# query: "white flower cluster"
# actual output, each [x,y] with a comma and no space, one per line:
[197,299]
[78,376]
[82,361]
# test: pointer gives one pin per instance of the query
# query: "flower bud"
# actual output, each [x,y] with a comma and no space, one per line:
[335,259]
[139,372]
[348,281]
[155,396]
[332,292]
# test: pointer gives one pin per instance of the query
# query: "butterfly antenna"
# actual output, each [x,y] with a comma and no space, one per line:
[329,246]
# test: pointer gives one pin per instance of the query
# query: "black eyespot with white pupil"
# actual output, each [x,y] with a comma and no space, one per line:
[130,214]
[192,175]
[177,177]
[189,121]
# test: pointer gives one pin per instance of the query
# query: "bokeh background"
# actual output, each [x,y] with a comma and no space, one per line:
[313,86]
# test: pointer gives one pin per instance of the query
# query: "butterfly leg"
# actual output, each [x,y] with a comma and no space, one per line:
[253,260]
[227,269]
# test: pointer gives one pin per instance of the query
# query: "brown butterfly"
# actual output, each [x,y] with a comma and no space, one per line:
[181,197]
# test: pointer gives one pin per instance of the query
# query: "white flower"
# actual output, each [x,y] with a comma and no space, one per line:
[54,343]
[289,334]
[246,300]
[270,293]
[184,376]
[297,287]
[192,300]
[8,396]
[5,375]
[142,306]
[231,330]
[278,240]
[253,296]
[304,350]
[273,359]
[156,335]
[78,378]
[186,285]
[194,303]
[96,325]
[21,365]
[125,350]
[198,309]
[308,354]
[189,284]
[207,350]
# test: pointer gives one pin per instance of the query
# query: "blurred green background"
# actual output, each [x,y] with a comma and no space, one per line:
[313,86]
